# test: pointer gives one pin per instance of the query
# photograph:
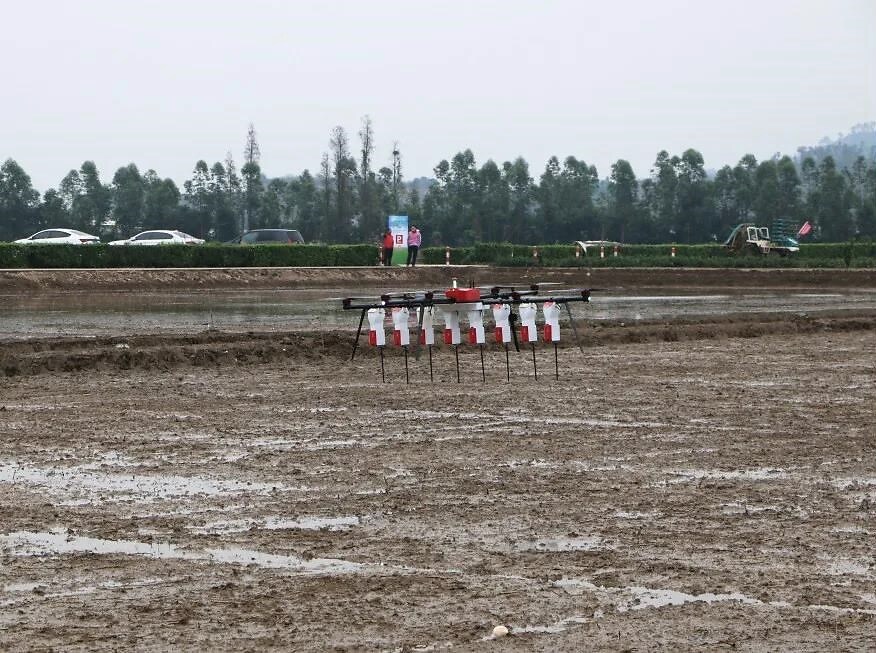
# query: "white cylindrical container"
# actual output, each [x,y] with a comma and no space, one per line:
[427,332]
[451,326]
[551,322]
[528,330]
[501,315]
[376,334]
[476,334]
[401,334]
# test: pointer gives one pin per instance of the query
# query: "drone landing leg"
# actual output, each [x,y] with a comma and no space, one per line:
[574,330]
[407,373]
[483,371]
[419,331]
[431,377]
[512,318]
[382,369]
[456,349]
[507,364]
[358,333]
[534,368]
[556,363]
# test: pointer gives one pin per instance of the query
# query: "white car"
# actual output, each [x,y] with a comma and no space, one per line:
[160,237]
[59,237]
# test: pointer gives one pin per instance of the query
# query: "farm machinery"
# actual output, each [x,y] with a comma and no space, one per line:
[748,238]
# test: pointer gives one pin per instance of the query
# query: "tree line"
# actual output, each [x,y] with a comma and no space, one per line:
[347,200]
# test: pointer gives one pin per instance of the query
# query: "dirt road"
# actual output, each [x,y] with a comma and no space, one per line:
[696,486]
[127,279]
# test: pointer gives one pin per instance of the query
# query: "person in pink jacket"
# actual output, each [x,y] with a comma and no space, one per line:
[414,240]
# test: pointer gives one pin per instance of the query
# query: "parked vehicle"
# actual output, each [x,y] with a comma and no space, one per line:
[160,237]
[269,236]
[59,237]
[748,238]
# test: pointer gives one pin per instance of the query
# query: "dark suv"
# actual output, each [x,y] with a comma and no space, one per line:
[270,236]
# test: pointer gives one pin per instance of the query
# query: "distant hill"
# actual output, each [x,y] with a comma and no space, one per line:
[421,185]
[846,148]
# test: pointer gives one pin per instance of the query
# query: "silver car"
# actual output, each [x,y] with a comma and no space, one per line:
[59,237]
[160,237]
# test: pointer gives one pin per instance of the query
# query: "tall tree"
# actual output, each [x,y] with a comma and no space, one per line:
[327,223]
[518,228]
[489,221]
[303,198]
[788,189]
[275,211]
[128,192]
[462,196]
[371,222]
[161,205]
[234,191]
[199,195]
[344,167]
[53,211]
[18,202]
[252,177]
[692,193]
[89,199]
[623,191]
[744,176]
[412,207]
[831,203]
[766,194]
[578,183]
[663,198]
[548,194]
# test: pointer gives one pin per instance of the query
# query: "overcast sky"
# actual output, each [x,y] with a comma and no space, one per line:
[163,84]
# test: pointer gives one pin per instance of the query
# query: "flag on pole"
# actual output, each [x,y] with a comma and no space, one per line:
[805,229]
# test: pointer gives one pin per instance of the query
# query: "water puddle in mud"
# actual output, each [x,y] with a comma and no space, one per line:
[760,474]
[277,523]
[643,597]
[563,544]
[44,591]
[84,484]
[625,599]
[58,542]
[849,566]
[305,445]
[638,515]
[101,312]
[510,419]
[736,508]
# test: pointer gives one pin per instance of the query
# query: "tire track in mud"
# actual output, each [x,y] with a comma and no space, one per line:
[214,348]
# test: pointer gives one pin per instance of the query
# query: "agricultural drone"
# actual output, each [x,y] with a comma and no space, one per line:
[509,306]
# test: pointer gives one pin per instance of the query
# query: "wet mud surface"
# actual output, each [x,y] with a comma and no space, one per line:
[698,484]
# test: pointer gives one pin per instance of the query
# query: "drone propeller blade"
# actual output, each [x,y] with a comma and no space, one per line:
[574,290]
[535,286]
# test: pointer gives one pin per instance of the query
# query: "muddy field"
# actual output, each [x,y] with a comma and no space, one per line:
[703,484]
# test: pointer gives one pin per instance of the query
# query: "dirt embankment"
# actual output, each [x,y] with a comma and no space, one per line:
[438,276]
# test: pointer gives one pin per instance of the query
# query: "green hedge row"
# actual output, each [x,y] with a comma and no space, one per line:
[859,254]
[184,256]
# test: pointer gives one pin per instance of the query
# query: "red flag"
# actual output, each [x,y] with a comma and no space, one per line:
[805,229]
